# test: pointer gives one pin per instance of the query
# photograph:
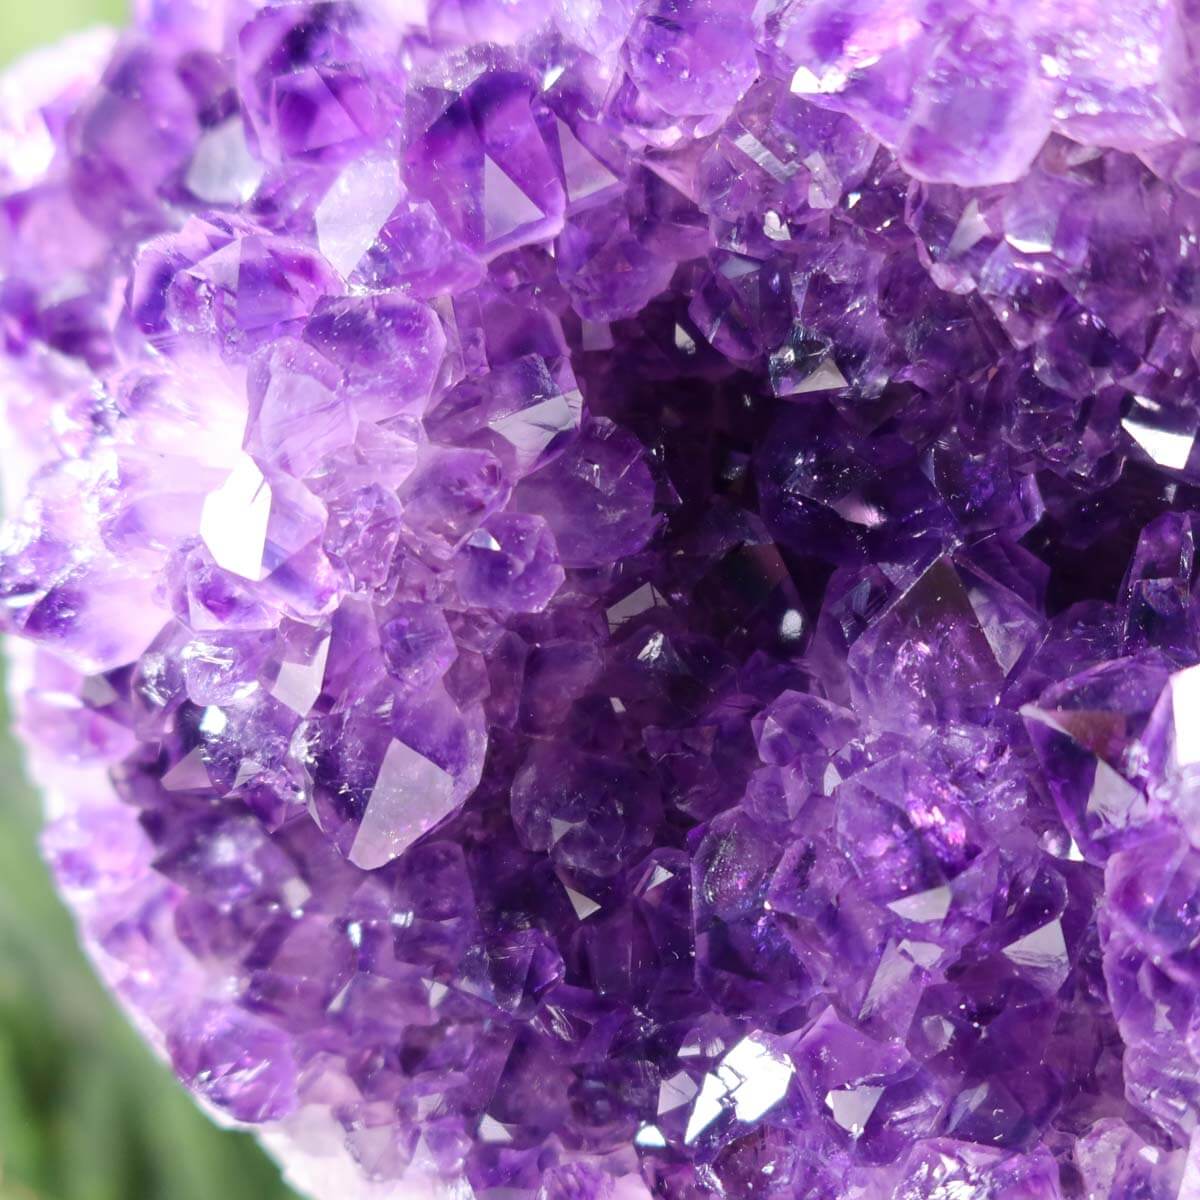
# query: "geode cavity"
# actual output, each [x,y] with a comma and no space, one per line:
[606,592]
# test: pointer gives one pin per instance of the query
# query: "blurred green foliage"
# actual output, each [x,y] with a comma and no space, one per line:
[25,24]
[86,1113]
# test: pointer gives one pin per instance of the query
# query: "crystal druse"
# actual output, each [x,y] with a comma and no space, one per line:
[604,594]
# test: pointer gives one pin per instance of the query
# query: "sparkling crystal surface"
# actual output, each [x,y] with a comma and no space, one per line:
[604,595]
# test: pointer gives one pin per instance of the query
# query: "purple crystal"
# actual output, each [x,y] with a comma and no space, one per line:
[604,594]
[510,564]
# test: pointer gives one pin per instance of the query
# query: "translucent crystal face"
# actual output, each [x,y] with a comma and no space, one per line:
[605,593]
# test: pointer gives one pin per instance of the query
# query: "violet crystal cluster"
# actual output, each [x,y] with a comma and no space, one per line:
[605,590]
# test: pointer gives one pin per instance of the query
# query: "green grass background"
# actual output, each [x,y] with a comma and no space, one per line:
[25,24]
[86,1113]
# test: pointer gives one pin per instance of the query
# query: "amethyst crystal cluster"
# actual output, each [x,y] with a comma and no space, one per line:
[606,592]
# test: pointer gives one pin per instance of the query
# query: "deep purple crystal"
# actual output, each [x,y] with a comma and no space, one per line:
[605,593]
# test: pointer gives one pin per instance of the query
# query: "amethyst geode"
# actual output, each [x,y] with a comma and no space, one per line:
[606,590]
